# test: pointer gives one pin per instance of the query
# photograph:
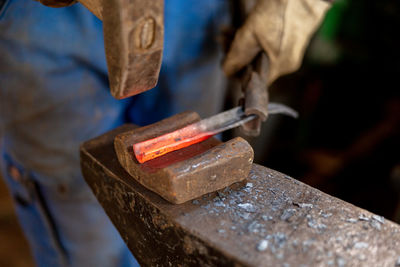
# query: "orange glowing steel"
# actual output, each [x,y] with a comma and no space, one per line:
[200,131]
[169,142]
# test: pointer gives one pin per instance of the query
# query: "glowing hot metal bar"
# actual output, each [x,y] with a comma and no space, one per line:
[199,131]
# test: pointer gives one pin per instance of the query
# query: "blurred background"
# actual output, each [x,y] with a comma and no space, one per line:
[346,141]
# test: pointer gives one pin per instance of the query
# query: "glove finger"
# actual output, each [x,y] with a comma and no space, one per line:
[242,51]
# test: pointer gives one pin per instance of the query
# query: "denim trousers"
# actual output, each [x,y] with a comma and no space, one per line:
[54,95]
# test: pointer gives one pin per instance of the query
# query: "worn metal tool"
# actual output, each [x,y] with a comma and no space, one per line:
[253,79]
[254,87]
[202,130]
[133,38]
[189,172]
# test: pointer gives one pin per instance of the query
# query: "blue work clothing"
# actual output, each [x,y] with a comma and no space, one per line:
[54,95]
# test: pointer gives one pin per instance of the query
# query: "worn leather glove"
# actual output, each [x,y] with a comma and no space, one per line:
[57,3]
[282,28]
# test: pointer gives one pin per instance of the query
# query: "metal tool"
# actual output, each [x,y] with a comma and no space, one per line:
[253,78]
[254,87]
[189,172]
[200,131]
[133,39]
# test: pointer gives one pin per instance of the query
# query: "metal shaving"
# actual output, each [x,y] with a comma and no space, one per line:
[304,205]
[340,262]
[376,225]
[313,224]
[360,245]
[325,215]
[362,217]
[266,217]
[278,240]
[378,218]
[263,245]
[287,214]
[247,207]
[397,264]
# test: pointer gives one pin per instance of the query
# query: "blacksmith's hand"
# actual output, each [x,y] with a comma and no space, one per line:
[282,28]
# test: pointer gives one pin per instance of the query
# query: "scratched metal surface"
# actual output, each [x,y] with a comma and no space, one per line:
[270,220]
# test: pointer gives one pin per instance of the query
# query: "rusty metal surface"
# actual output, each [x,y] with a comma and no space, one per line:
[133,38]
[189,172]
[270,220]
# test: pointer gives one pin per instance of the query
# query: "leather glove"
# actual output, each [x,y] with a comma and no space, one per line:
[282,28]
[57,3]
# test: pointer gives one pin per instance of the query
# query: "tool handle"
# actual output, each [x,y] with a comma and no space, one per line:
[255,87]
[260,65]
[256,98]
[94,6]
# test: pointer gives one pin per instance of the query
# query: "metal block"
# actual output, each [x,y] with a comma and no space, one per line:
[190,172]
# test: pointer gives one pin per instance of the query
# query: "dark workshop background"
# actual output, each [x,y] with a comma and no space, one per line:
[346,141]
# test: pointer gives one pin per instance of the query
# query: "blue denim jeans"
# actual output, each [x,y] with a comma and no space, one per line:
[54,95]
